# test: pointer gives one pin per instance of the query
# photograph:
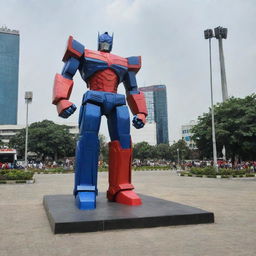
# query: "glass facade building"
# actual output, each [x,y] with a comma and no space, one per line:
[156,100]
[9,73]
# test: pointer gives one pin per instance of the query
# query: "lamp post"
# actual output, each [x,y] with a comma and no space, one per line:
[221,33]
[208,34]
[178,155]
[28,99]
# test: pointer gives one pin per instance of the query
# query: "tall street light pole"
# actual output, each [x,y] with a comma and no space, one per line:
[178,155]
[28,99]
[221,33]
[208,34]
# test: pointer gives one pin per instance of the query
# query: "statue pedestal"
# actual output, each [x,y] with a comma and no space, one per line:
[65,217]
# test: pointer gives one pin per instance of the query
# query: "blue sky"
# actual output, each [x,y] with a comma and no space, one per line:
[167,34]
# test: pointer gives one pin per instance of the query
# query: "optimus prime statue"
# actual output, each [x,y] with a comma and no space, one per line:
[102,72]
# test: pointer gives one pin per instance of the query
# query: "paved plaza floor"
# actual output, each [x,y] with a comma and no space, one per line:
[25,230]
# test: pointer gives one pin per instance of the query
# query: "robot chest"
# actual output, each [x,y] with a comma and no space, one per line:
[104,80]
[95,61]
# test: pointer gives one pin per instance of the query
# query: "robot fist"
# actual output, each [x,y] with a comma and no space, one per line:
[139,121]
[68,111]
[65,108]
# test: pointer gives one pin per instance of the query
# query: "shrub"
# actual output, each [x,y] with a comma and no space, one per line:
[225,172]
[150,168]
[209,170]
[249,175]
[52,170]
[238,172]
[20,181]
[102,169]
[211,176]
[15,175]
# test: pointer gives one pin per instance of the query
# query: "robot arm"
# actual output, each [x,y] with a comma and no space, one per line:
[135,98]
[63,82]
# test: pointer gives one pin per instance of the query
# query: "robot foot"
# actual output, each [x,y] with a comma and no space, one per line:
[128,197]
[86,200]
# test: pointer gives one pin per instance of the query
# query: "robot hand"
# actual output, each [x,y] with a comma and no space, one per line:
[139,121]
[68,111]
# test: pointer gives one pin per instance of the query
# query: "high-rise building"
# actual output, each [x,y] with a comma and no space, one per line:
[156,101]
[9,72]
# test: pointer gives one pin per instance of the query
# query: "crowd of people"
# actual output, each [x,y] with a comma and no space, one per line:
[66,164]
[249,165]
[69,164]
[7,165]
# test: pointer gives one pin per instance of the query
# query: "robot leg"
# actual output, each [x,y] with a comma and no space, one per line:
[120,159]
[87,153]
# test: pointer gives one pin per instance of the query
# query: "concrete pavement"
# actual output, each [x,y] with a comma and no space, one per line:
[24,227]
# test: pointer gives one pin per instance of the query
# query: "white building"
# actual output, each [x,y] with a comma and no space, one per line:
[186,134]
[7,131]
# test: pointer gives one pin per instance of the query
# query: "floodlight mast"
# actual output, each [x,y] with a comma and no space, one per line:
[208,34]
[221,33]
[28,99]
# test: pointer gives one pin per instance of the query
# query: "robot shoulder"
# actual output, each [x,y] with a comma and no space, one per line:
[134,63]
[74,49]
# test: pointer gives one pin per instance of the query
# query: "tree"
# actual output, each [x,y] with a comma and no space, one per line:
[181,146]
[46,139]
[143,151]
[163,151]
[235,124]
[103,148]
[18,142]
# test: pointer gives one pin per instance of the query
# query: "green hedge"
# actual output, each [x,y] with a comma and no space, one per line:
[203,171]
[100,169]
[211,176]
[249,175]
[141,168]
[209,170]
[12,174]
[151,168]
[52,170]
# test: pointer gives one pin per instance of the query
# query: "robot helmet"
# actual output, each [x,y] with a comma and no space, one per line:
[105,42]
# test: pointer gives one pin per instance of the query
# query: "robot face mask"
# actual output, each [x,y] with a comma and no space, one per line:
[104,47]
[105,42]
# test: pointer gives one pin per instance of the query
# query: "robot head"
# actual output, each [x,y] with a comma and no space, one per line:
[105,42]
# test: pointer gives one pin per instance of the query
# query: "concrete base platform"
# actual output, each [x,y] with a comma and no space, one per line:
[65,217]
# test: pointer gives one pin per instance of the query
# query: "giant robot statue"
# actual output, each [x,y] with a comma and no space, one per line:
[102,72]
